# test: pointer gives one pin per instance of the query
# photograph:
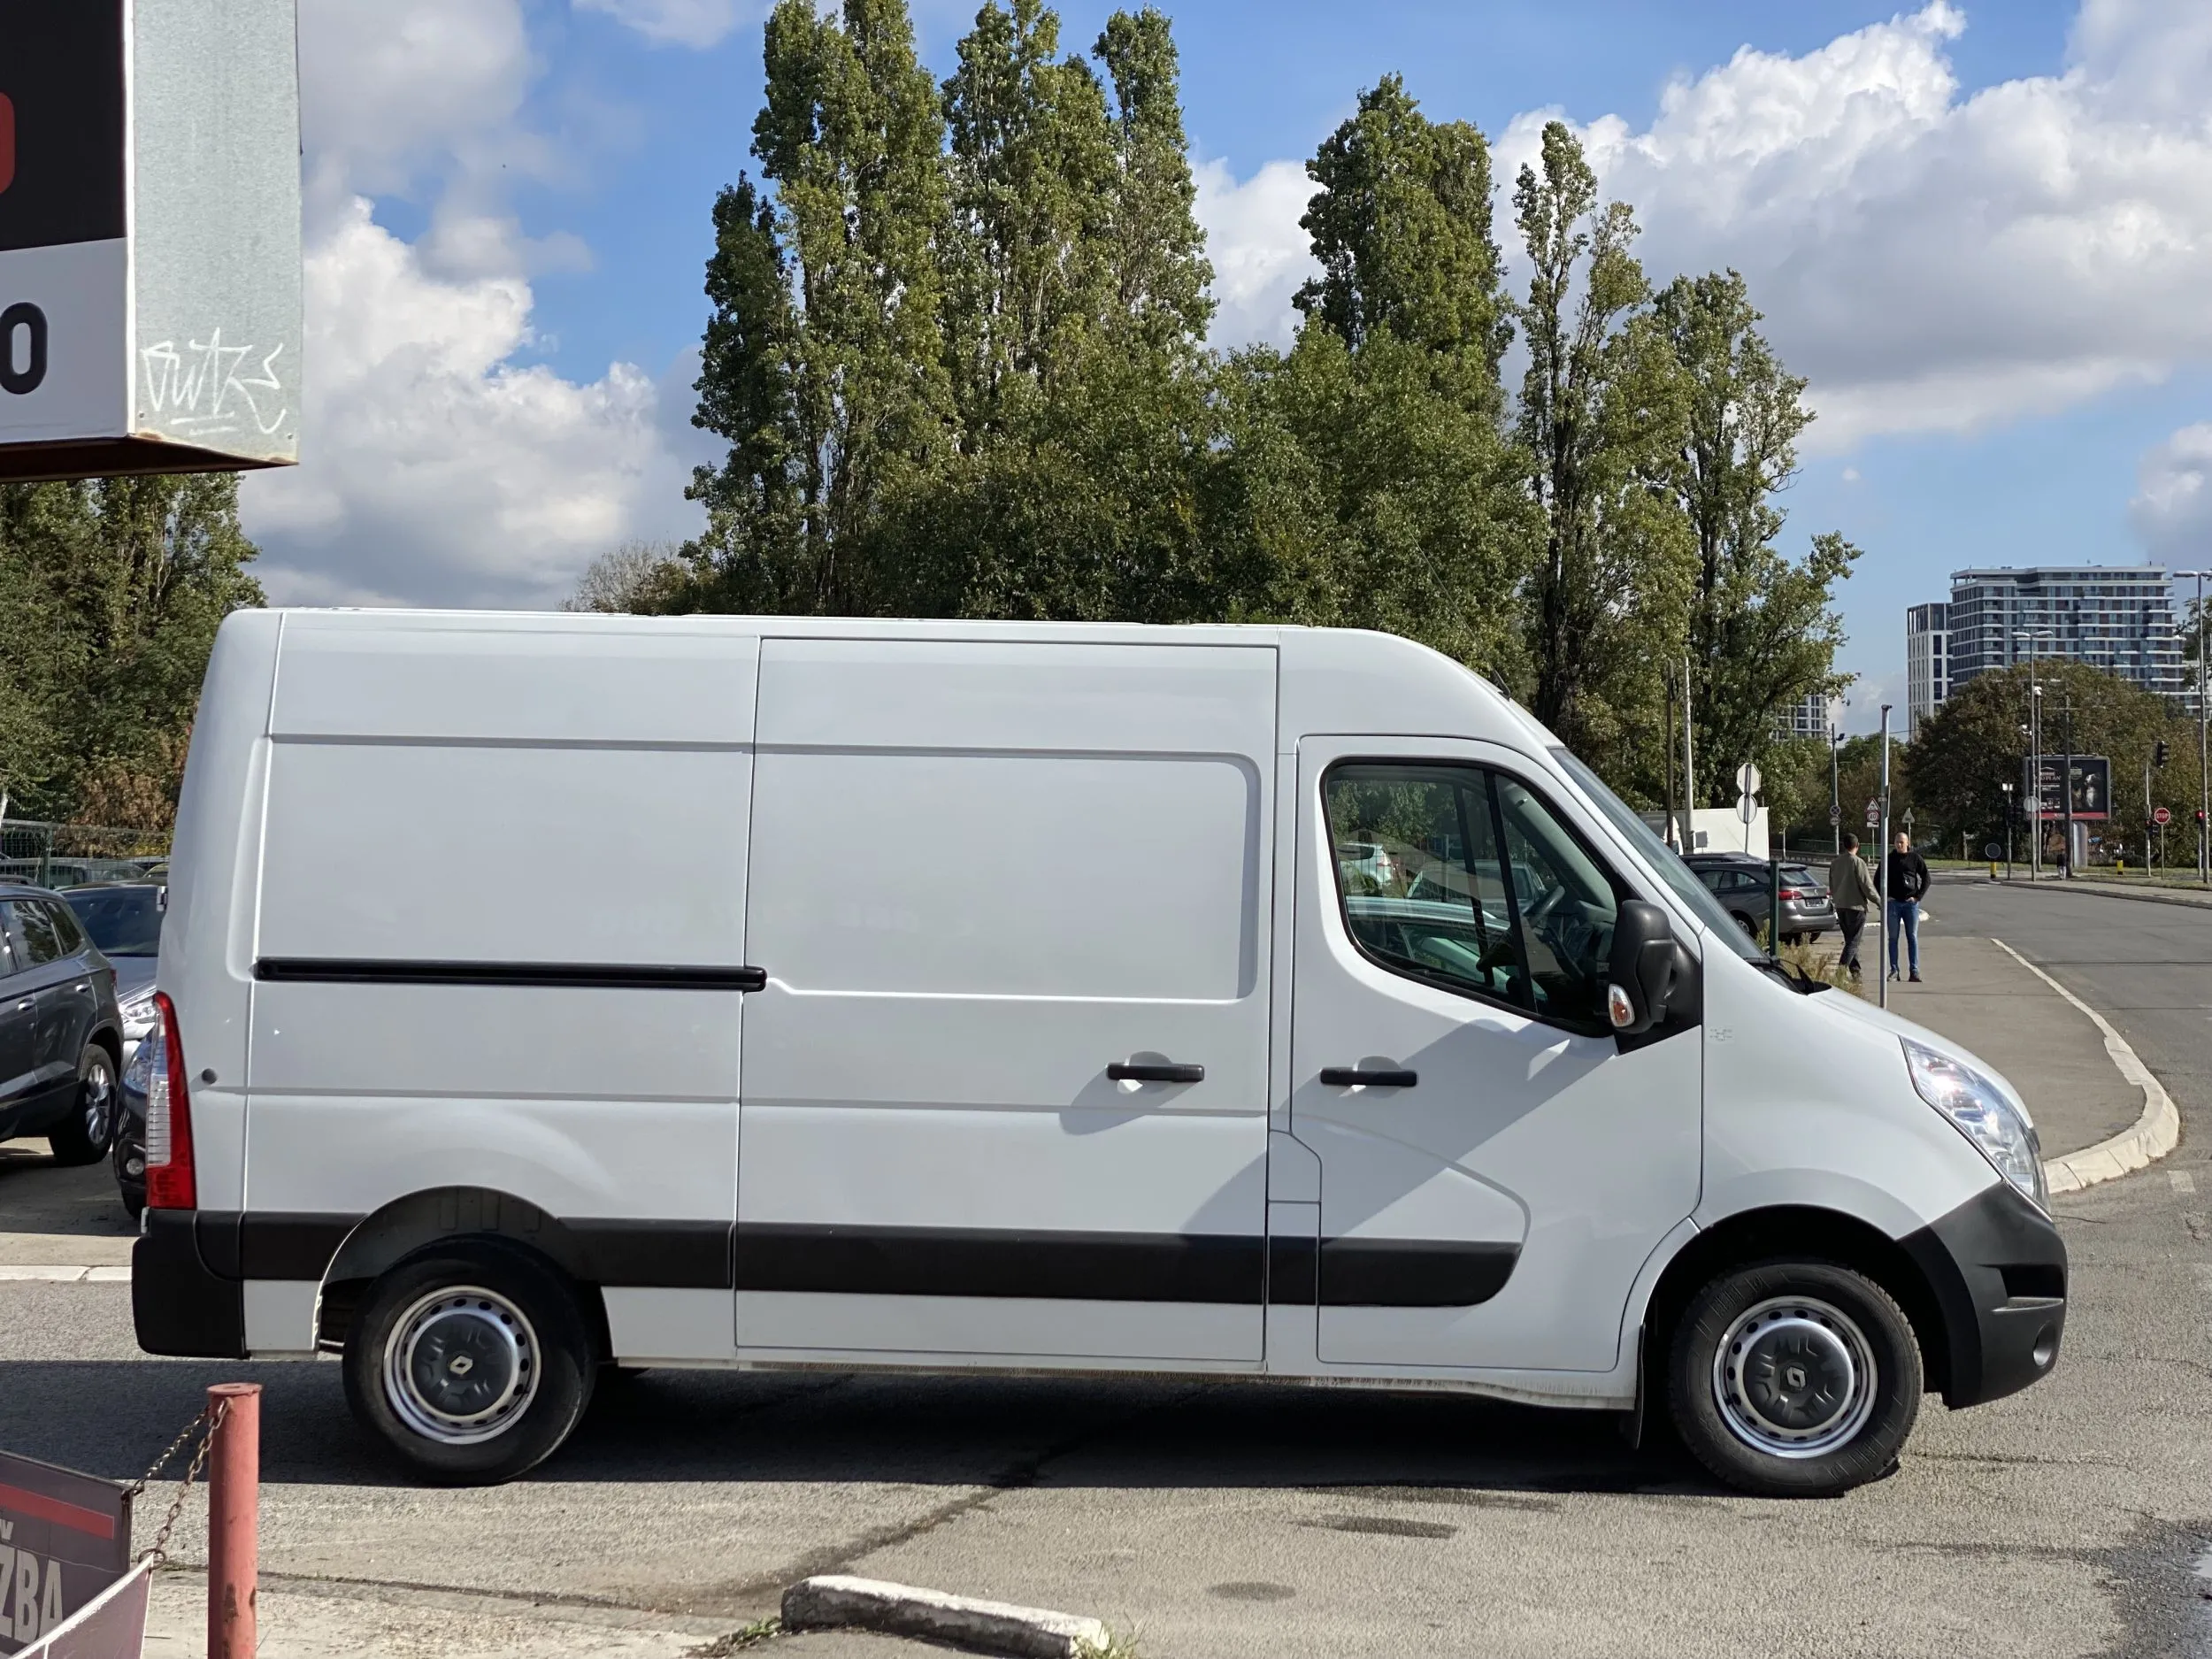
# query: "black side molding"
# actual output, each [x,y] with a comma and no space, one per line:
[596,976]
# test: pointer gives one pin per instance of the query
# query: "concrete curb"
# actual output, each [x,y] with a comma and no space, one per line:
[2187,900]
[996,1627]
[2152,1136]
[64,1275]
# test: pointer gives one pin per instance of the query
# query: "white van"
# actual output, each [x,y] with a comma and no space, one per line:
[548,992]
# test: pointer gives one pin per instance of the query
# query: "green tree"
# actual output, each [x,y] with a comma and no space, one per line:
[1601,410]
[1762,632]
[1032,167]
[1156,252]
[1977,741]
[111,593]
[852,138]
[1401,228]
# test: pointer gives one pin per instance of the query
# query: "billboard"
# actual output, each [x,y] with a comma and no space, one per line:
[63,1538]
[149,236]
[2092,786]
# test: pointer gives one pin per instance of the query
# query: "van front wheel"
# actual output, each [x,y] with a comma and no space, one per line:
[1794,1378]
[470,1361]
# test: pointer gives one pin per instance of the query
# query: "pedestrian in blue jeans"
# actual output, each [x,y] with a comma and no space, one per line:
[1904,879]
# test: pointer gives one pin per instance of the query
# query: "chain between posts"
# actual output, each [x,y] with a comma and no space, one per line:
[210,1419]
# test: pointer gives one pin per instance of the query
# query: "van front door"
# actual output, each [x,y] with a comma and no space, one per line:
[1495,1165]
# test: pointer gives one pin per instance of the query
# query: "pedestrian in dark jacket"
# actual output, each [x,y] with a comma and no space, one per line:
[1904,880]
[1851,887]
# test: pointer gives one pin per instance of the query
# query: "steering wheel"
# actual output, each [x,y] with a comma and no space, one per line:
[1539,914]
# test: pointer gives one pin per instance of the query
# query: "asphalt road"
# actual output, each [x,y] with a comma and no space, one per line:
[1234,1520]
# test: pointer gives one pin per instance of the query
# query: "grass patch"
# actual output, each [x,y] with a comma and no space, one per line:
[1119,1645]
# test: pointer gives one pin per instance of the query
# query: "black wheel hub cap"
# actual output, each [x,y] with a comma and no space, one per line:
[462,1364]
[1795,1380]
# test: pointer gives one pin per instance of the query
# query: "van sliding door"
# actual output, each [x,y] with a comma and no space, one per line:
[1005,1093]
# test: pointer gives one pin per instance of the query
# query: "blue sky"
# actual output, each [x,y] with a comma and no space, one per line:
[1983,230]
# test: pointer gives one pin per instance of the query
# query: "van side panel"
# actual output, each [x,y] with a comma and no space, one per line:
[446,803]
[981,872]
[206,955]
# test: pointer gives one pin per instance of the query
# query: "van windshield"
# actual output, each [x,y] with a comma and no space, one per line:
[1664,861]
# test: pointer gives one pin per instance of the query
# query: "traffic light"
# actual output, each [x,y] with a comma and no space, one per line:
[2158,754]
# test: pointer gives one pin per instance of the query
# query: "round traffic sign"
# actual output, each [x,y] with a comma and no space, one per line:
[1874,815]
[2162,816]
[1835,813]
[1994,851]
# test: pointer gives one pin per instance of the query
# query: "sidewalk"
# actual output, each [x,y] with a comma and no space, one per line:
[1976,995]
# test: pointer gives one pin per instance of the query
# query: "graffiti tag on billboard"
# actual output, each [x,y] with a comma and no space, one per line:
[201,391]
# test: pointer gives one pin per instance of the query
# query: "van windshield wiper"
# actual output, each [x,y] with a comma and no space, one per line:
[1796,979]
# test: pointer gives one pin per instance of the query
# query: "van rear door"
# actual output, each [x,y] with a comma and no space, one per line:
[1005,1093]
[498,950]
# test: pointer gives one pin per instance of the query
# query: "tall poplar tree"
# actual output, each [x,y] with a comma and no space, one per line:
[852,139]
[1601,410]
[1762,633]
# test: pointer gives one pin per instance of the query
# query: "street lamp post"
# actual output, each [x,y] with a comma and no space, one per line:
[2204,783]
[2008,789]
[1835,787]
[1881,932]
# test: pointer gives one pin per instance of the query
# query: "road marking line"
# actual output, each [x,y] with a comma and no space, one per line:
[58,1274]
[2184,1182]
[2152,1136]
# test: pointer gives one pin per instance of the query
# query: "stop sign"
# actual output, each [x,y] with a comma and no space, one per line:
[2161,817]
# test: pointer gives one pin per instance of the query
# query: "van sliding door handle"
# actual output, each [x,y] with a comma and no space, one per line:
[1354,1077]
[1155,1071]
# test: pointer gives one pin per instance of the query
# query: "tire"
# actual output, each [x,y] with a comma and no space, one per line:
[1777,1321]
[487,1311]
[129,1158]
[85,1134]
[1750,927]
[1796,939]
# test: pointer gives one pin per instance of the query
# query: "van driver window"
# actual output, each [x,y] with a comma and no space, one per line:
[1464,879]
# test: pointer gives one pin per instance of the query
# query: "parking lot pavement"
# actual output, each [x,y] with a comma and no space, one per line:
[1217,1519]
[50,1215]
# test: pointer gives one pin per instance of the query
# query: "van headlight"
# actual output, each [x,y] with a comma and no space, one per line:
[1980,1112]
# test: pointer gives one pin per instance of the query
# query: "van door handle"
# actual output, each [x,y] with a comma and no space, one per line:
[1354,1077]
[1155,1071]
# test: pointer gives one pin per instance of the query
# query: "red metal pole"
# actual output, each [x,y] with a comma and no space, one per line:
[233,1509]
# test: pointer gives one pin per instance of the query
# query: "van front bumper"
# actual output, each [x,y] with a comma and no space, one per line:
[179,1304]
[1998,1269]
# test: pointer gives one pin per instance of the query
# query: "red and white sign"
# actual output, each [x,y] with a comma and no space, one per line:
[2161,817]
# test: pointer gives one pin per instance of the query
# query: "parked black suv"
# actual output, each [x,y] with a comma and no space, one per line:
[61,1037]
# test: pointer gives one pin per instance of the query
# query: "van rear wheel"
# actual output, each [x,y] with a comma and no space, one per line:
[1794,1378]
[471,1361]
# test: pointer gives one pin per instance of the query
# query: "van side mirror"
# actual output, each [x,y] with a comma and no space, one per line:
[1643,968]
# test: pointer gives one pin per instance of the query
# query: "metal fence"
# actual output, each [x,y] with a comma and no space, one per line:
[75,854]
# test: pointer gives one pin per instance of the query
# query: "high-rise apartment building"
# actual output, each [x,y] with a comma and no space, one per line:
[1927,663]
[2119,617]
[1807,716]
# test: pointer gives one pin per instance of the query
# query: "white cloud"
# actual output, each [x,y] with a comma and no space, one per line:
[1259,254]
[695,23]
[1934,261]
[2172,509]
[440,465]
[439,469]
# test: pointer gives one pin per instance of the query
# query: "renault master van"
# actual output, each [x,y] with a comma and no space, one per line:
[1221,1002]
